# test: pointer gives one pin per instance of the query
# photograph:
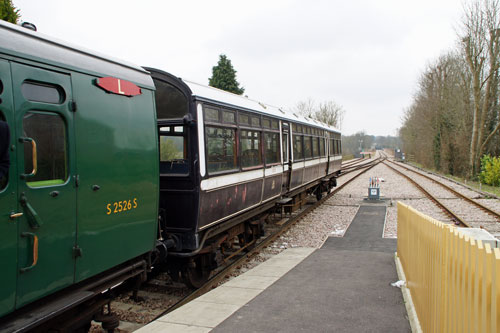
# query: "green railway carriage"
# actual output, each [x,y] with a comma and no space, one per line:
[81,196]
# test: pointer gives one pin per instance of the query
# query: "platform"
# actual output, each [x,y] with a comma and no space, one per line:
[342,287]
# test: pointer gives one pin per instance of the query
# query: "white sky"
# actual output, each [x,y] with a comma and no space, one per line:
[366,55]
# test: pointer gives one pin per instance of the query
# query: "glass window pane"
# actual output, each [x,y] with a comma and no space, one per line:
[332,147]
[171,148]
[307,147]
[228,117]
[221,149]
[322,146]
[272,145]
[256,121]
[39,92]
[297,148]
[294,127]
[171,103]
[244,119]
[251,151]
[212,114]
[275,124]
[266,122]
[315,147]
[173,152]
[48,130]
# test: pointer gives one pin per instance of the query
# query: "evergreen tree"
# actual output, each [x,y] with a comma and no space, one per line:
[224,76]
[8,12]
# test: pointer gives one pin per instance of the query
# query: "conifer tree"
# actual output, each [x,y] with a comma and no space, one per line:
[8,12]
[224,76]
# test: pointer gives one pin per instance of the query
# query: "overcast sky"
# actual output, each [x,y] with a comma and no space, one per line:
[365,55]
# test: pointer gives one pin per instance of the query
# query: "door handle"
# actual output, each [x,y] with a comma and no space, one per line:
[34,220]
[15,215]
[34,157]
[35,250]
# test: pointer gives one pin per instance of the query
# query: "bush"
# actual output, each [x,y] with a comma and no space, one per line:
[490,170]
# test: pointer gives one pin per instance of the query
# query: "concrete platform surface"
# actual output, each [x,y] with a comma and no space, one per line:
[209,310]
[342,287]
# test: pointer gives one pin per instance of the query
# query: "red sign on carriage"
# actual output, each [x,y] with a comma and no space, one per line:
[117,86]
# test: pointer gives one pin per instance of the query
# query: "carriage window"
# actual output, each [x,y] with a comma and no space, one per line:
[173,150]
[251,151]
[272,145]
[171,103]
[285,147]
[221,149]
[48,132]
[211,114]
[244,119]
[297,148]
[322,146]
[315,147]
[266,122]
[256,121]
[307,147]
[40,92]
[274,124]
[332,147]
[228,117]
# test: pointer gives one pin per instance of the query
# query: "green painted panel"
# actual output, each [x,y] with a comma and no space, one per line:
[8,203]
[117,152]
[51,213]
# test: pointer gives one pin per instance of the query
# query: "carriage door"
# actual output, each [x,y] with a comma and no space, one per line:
[46,181]
[285,146]
[8,202]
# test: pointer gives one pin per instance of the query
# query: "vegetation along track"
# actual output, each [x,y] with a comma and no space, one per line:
[465,211]
[142,311]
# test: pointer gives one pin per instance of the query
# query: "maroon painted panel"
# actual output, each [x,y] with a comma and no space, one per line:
[272,186]
[218,204]
[297,175]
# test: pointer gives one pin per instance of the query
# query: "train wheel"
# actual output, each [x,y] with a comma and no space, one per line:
[196,274]
[319,194]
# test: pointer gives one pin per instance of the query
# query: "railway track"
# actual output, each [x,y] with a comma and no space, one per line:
[463,210]
[153,288]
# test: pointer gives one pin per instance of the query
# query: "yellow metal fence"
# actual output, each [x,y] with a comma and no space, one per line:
[454,280]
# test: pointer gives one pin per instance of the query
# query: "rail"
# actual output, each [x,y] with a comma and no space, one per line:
[438,202]
[454,280]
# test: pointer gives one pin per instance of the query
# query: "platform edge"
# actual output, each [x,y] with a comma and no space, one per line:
[410,307]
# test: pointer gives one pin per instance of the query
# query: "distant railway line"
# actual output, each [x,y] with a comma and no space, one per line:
[463,210]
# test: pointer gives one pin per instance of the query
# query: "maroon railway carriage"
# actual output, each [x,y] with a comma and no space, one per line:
[225,160]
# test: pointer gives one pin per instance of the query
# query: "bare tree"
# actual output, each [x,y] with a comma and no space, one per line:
[330,113]
[306,108]
[327,112]
[480,47]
